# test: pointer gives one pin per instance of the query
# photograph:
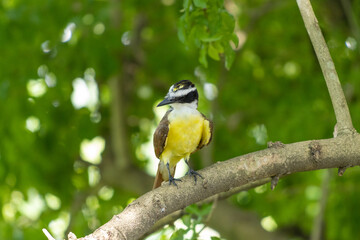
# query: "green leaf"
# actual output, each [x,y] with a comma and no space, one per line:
[213,52]
[186,4]
[211,38]
[181,29]
[199,211]
[229,56]
[218,47]
[235,39]
[186,220]
[200,3]
[178,235]
[164,237]
[201,32]
[205,209]
[215,238]
[193,209]
[228,22]
[202,56]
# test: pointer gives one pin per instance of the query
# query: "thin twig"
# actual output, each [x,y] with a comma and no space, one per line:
[337,96]
[47,234]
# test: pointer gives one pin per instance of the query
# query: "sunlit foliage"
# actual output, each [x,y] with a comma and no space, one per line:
[258,79]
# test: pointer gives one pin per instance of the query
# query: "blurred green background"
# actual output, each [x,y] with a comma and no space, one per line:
[80,79]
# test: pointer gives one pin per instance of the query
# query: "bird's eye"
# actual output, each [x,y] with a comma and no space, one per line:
[178,87]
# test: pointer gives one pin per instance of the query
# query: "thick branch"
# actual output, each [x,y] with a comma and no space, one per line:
[169,219]
[338,100]
[143,213]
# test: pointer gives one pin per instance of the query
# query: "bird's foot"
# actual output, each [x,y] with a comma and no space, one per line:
[173,180]
[194,173]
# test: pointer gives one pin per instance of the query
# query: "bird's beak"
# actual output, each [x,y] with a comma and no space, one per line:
[166,101]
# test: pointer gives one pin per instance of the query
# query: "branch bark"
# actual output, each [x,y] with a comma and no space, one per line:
[221,196]
[138,217]
[338,100]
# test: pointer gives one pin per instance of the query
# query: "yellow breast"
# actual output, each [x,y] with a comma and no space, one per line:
[184,135]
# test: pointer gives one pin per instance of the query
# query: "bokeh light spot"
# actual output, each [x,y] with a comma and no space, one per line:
[32,124]
[68,32]
[88,19]
[259,132]
[90,150]
[93,175]
[126,38]
[351,43]
[99,28]
[268,223]
[42,70]
[210,91]
[50,79]
[106,193]
[36,87]
[58,226]
[52,201]
[45,46]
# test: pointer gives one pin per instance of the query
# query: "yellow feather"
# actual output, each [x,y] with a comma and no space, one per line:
[183,138]
[206,133]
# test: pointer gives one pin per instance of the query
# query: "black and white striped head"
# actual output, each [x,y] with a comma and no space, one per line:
[183,92]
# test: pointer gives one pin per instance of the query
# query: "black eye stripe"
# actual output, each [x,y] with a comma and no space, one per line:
[188,98]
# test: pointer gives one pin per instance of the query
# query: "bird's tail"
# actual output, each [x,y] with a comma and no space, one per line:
[159,176]
[158,179]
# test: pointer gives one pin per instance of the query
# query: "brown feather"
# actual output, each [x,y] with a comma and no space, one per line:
[158,179]
[159,140]
[160,135]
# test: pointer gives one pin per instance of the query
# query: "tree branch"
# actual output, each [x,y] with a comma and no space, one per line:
[338,100]
[138,217]
[177,214]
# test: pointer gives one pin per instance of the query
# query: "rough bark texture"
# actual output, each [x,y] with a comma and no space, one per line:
[144,212]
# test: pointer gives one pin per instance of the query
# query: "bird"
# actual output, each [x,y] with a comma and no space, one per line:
[182,131]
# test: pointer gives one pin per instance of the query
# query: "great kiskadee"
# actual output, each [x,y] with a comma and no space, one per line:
[182,131]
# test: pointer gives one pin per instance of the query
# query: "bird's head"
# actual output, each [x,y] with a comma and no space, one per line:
[181,93]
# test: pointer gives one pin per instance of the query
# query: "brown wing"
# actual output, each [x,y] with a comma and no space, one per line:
[160,135]
[206,134]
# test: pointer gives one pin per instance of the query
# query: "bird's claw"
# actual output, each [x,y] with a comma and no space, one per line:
[194,173]
[173,180]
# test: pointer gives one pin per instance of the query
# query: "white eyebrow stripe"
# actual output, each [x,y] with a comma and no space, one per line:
[181,92]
